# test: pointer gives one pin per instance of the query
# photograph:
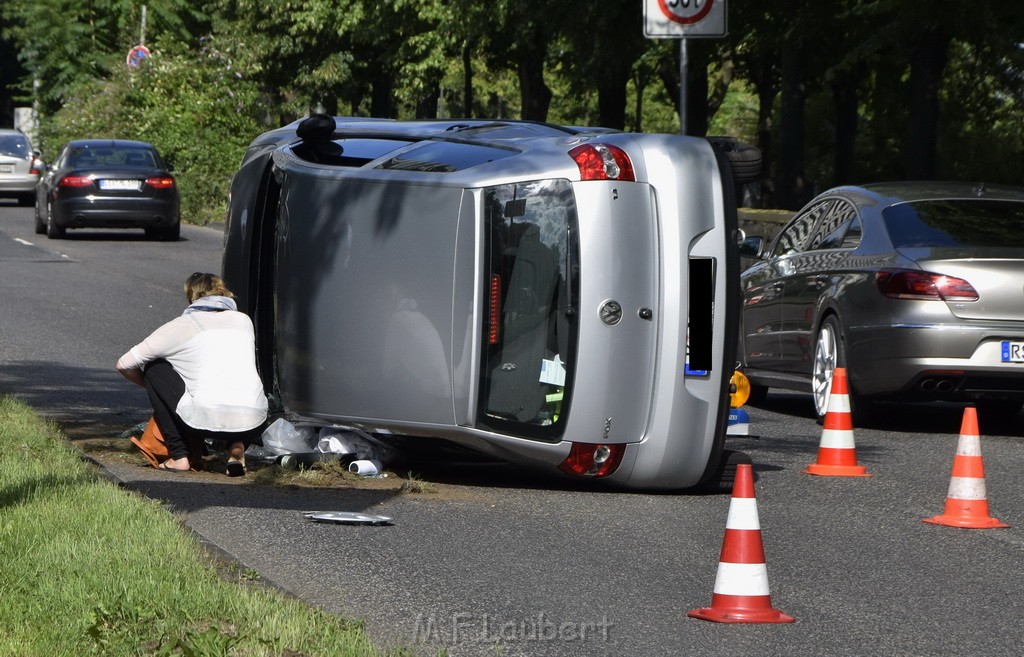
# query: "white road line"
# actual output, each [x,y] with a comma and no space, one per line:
[18,239]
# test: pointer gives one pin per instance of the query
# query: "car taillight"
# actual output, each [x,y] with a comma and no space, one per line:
[592,459]
[75,181]
[495,312]
[160,182]
[602,162]
[913,284]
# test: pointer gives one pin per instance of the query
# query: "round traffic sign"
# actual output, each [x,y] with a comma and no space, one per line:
[136,55]
[685,12]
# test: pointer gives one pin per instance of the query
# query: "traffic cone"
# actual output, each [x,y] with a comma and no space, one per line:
[741,585]
[966,501]
[837,455]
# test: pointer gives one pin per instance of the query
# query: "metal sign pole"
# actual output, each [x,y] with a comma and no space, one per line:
[683,67]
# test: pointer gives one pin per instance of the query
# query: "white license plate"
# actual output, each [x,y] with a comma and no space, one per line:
[6,168]
[133,185]
[1012,352]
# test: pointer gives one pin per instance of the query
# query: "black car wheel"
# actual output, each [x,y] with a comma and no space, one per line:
[169,234]
[40,224]
[53,231]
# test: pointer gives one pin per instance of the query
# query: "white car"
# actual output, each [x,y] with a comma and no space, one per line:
[20,167]
[554,296]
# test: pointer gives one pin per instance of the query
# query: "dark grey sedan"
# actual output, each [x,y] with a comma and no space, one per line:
[104,183]
[916,288]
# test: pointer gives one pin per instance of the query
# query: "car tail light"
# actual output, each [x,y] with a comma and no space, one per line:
[602,162]
[160,182]
[592,459]
[914,284]
[75,181]
[495,310]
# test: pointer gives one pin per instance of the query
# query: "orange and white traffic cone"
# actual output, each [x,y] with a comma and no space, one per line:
[837,454]
[966,501]
[741,585]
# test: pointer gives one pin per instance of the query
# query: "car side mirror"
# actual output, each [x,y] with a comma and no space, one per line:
[751,247]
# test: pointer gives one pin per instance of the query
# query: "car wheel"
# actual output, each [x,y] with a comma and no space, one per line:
[758,394]
[827,356]
[53,231]
[40,224]
[26,200]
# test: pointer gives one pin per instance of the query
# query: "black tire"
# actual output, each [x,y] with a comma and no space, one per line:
[758,394]
[169,234]
[53,231]
[26,200]
[744,159]
[40,224]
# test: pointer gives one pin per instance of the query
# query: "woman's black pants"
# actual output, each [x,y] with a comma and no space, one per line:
[165,388]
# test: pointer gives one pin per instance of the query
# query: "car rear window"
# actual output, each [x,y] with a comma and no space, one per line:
[15,146]
[445,157]
[113,157]
[956,223]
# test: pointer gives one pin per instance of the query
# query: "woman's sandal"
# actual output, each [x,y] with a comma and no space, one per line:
[235,468]
[163,466]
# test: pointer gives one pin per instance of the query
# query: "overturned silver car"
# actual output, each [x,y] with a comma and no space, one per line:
[559,297]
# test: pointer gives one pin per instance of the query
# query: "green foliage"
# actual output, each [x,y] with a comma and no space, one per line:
[574,61]
[194,106]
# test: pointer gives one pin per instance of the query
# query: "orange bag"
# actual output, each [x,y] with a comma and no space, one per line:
[151,444]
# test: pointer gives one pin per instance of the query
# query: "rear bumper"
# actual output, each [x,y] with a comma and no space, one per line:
[115,213]
[17,184]
[943,361]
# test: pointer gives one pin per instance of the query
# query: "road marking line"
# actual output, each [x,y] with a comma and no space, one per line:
[18,239]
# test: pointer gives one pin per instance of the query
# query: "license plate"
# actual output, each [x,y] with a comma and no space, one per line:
[6,168]
[133,185]
[1012,352]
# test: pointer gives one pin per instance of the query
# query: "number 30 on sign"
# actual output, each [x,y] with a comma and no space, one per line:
[684,18]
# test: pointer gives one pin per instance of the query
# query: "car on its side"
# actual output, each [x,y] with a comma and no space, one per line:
[108,183]
[559,297]
[20,167]
[917,289]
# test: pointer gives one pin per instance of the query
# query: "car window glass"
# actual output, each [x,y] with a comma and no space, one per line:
[793,237]
[836,219]
[15,146]
[956,223]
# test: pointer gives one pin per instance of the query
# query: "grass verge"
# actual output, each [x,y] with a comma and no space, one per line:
[87,568]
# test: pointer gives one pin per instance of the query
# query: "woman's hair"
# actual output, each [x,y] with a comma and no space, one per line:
[200,285]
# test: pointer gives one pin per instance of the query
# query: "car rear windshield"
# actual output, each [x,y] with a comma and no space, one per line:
[114,157]
[530,329]
[956,223]
[14,146]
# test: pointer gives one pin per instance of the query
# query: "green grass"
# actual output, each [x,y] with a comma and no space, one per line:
[87,568]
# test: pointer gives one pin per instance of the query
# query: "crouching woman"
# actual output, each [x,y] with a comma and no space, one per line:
[199,370]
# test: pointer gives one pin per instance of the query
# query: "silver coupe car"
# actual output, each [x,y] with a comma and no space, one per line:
[917,289]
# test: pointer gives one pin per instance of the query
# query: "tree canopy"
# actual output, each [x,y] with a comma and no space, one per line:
[832,91]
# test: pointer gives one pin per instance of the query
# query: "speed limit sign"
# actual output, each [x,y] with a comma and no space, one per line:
[684,18]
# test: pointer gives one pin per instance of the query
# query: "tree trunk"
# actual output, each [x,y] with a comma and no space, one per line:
[611,96]
[789,182]
[536,96]
[845,93]
[766,92]
[467,81]
[927,62]
[382,102]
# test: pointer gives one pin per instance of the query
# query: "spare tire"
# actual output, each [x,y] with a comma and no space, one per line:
[744,159]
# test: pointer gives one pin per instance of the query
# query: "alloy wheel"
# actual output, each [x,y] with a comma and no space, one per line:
[824,367]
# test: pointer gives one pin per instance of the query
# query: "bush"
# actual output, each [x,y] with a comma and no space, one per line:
[199,113]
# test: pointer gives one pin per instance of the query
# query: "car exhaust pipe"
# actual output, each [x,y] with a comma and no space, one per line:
[937,385]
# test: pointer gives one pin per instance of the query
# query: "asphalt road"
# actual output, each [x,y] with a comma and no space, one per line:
[505,564]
